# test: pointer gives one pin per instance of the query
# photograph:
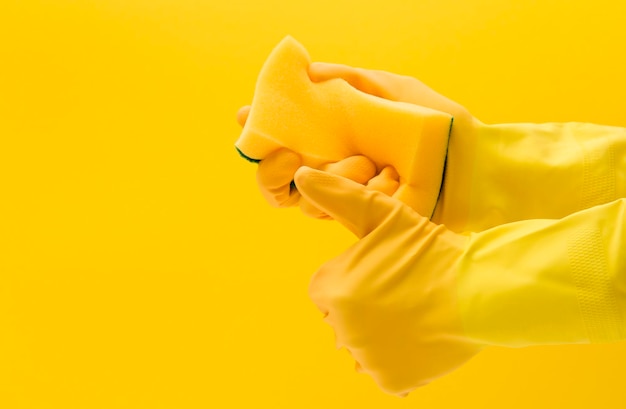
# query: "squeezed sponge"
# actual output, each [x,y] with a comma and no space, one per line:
[329,121]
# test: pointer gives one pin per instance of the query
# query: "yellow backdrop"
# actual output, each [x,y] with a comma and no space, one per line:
[139,266]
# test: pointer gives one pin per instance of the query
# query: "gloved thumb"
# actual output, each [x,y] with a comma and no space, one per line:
[358,208]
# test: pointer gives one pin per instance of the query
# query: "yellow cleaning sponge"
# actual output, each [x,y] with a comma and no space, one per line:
[329,121]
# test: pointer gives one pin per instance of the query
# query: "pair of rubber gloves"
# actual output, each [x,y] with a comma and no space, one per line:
[525,242]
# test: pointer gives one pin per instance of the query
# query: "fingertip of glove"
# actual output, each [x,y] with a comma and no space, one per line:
[302,177]
[315,71]
[312,183]
[242,115]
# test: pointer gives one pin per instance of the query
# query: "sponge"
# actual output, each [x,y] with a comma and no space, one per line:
[329,121]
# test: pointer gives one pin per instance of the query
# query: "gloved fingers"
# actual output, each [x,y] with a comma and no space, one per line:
[379,83]
[274,177]
[242,115]
[388,85]
[358,208]
[387,181]
[275,174]
[361,79]
[357,168]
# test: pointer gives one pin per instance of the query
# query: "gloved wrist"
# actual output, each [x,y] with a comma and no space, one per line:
[541,282]
[497,174]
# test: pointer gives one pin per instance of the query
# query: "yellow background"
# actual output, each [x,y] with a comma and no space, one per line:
[139,266]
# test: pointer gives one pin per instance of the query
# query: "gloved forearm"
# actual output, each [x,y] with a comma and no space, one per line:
[547,281]
[497,174]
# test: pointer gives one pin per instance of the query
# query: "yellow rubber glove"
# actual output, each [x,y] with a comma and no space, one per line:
[494,174]
[412,301]
[330,121]
[497,174]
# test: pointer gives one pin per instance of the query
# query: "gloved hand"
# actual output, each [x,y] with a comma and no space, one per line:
[330,121]
[412,300]
[494,174]
[497,174]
